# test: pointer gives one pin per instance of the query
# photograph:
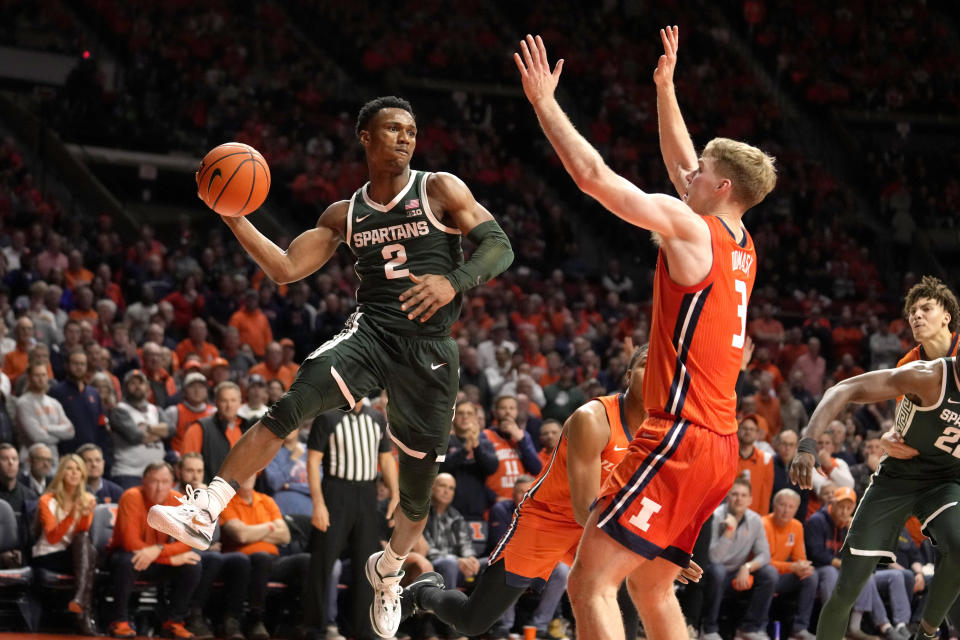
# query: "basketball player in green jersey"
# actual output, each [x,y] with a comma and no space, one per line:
[932,311]
[405,228]
[926,485]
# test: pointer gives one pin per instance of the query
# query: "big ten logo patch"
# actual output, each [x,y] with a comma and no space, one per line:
[647,509]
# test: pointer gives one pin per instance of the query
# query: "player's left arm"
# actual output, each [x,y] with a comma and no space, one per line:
[669,217]
[492,255]
[587,432]
[919,379]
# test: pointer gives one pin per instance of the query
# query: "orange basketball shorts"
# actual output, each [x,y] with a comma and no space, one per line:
[674,476]
[532,547]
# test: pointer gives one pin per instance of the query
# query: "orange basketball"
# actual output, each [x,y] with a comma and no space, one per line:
[233,179]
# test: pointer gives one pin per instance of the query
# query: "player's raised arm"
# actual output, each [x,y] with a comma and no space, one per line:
[919,380]
[677,149]
[665,215]
[308,252]
[587,432]
[451,197]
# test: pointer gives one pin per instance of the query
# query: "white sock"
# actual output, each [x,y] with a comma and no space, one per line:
[885,627]
[390,562]
[222,492]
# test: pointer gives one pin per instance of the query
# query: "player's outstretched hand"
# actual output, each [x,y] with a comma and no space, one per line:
[539,82]
[426,296]
[893,444]
[663,74]
[693,573]
[801,469]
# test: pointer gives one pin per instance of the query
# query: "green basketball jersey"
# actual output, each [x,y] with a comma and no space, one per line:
[392,241]
[934,431]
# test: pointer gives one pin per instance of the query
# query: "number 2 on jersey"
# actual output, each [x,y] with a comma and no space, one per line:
[395,255]
[741,287]
[947,441]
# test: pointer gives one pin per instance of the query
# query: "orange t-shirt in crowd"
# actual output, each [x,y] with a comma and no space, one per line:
[193,438]
[847,340]
[15,365]
[89,315]
[261,510]
[131,531]
[548,379]
[535,359]
[282,373]
[207,352]
[769,407]
[254,329]
[290,369]
[772,368]
[786,543]
[760,466]
[80,276]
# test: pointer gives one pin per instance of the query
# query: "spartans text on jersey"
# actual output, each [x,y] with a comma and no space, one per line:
[391,233]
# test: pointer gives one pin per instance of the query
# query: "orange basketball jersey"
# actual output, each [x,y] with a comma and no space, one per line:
[502,480]
[549,497]
[544,530]
[697,335]
[918,353]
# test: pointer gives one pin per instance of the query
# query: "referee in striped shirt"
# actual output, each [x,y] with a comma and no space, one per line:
[350,447]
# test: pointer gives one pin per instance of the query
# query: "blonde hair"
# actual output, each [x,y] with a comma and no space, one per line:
[56,485]
[751,171]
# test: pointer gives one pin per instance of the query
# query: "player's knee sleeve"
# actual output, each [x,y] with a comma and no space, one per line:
[301,402]
[285,414]
[416,483]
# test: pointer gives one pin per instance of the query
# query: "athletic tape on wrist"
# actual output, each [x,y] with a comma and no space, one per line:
[809,445]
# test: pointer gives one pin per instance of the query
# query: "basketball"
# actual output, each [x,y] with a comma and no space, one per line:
[233,179]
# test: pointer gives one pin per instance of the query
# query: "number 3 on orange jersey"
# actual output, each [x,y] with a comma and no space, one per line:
[741,288]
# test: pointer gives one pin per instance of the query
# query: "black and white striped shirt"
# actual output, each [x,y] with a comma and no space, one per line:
[350,443]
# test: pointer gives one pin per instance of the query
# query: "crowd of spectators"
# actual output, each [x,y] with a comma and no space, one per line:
[160,347]
[886,76]
[165,351]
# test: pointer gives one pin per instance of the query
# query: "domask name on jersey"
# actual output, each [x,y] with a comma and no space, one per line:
[741,261]
[392,233]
